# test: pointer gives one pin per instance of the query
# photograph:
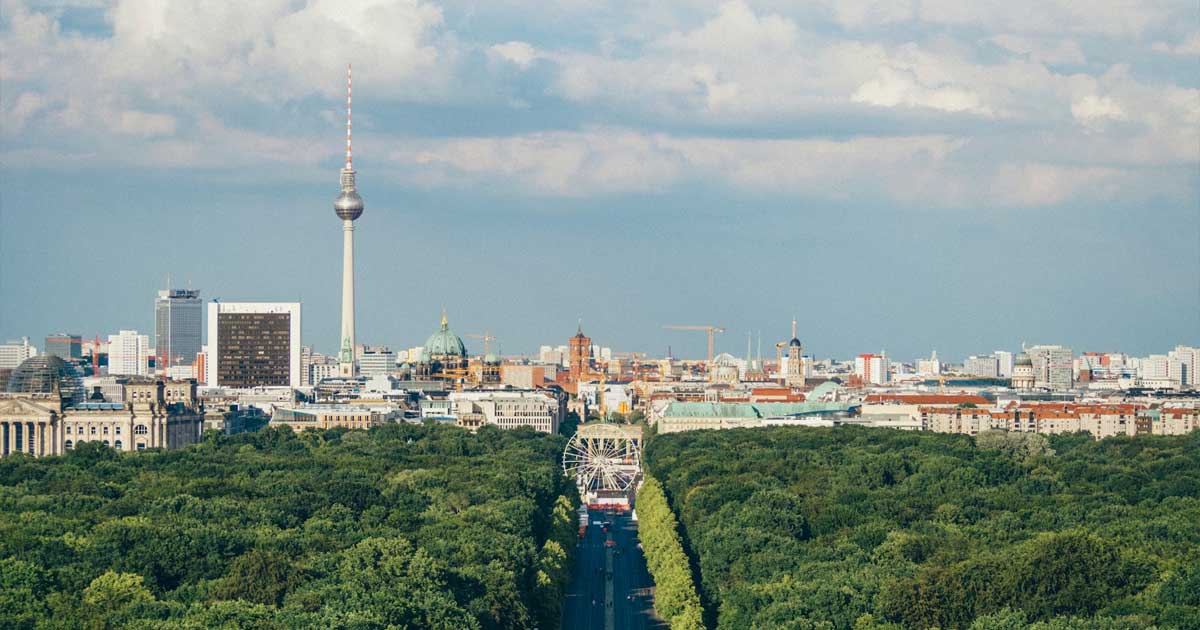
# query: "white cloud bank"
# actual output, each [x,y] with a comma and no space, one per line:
[982,104]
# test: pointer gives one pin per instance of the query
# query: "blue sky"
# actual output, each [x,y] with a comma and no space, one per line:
[900,176]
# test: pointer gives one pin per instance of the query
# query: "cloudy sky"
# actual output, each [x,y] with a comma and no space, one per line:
[897,175]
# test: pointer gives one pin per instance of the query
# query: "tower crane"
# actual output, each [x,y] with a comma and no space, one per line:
[711,330]
[487,339]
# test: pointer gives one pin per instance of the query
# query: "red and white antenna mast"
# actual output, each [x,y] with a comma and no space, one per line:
[349,90]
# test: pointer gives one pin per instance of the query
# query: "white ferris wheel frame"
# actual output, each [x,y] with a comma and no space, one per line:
[602,462]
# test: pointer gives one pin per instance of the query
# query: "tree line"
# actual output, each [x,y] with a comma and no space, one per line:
[675,597]
[873,529]
[401,526]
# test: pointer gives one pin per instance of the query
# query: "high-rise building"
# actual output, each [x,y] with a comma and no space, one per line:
[1004,363]
[348,206]
[178,324]
[1053,366]
[873,369]
[253,344]
[15,352]
[64,346]
[306,360]
[1185,360]
[129,353]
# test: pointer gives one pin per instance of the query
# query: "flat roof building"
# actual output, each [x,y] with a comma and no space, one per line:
[65,346]
[178,324]
[253,344]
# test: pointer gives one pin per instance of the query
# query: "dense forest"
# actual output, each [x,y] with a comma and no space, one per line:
[399,527]
[863,529]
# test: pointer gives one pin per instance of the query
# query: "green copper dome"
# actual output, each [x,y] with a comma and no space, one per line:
[444,343]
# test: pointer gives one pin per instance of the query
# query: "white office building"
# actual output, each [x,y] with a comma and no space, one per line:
[14,352]
[1004,363]
[375,361]
[506,409]
[983,367]
[1053,367]
[129,354]
[1183,362]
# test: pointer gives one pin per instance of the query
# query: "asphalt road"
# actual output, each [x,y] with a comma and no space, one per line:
[611,588]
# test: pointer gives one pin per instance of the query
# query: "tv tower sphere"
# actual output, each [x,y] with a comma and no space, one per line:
[348,205]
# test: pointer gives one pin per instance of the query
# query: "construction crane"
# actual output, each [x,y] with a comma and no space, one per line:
[487,339]
[711,330]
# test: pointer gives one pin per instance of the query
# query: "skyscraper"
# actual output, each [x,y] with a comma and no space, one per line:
[253,344]
[177,327]
[348,206]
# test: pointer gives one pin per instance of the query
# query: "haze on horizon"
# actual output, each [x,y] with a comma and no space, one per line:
[907,177]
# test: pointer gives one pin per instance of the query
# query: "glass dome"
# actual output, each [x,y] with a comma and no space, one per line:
[45,374]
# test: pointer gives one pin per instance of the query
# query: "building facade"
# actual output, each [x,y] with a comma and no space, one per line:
[982,366]
[129,354]
[873,369]
[305,417]
[795,362]
[579,355]
[376,360]
[178,325]
[154,414]
[14,353]
[1053,367]
[253,344]
[65,346]
[508,410]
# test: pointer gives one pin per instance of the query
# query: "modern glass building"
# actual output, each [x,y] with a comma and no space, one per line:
[178,321]
[64,346]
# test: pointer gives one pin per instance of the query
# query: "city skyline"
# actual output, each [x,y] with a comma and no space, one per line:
[918,207]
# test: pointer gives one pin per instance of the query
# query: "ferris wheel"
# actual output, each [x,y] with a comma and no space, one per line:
[603,458]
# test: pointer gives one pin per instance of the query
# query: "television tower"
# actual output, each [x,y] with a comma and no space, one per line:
[349,206]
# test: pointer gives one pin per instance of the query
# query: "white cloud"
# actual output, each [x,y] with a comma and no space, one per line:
[23,107]
[519,53]
[893,87]
[759,99]
[1038,184]
[1093,111]
[138,123]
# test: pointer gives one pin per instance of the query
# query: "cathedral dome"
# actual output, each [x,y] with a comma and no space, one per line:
[444,343]
[47,374]
[1023,359]
[795,342]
